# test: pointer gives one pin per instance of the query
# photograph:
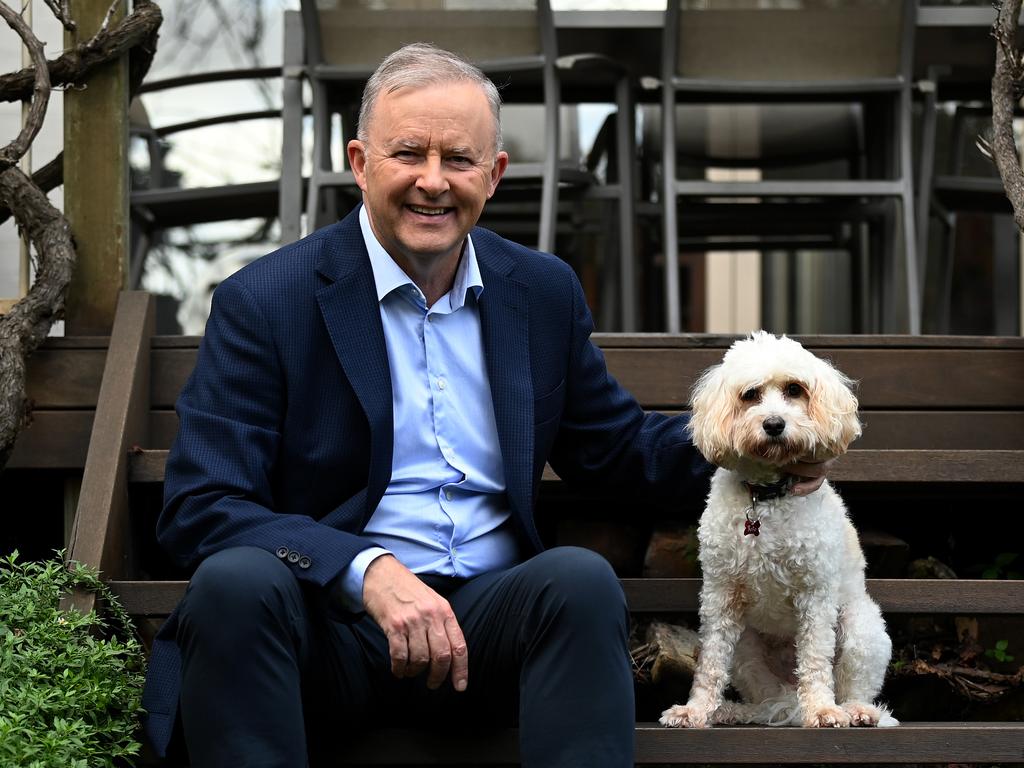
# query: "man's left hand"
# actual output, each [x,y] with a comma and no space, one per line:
[808,477]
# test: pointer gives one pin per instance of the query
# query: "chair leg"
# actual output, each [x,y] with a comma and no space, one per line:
[321,155]
[945,270]
[913,260]
[290,190]
[552,146]
[926,172]
[624,138]
[670,223]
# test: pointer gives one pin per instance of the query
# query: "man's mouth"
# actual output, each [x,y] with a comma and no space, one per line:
[427,211]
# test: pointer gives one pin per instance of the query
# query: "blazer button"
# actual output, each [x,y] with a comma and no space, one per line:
[282,552]
[293,557]
[305,562]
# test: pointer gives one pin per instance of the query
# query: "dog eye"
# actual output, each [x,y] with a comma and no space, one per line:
[794,390]
[751,394]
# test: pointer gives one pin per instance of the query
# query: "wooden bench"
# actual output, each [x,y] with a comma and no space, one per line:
[945,425]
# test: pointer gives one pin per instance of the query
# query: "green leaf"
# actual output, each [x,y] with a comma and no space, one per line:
[71,686]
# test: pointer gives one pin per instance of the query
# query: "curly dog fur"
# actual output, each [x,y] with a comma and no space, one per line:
[784,613]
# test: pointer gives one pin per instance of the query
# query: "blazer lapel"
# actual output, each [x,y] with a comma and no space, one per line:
[352,316]
[504,321]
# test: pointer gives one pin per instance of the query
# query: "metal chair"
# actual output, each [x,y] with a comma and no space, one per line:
[860,54]
[967,183]
[514,44]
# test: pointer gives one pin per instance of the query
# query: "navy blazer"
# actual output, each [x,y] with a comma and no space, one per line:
[285,435]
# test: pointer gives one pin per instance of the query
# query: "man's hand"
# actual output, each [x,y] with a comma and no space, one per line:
[808,477]
[420,625]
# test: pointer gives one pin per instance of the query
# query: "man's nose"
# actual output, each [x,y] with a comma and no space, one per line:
[432,179]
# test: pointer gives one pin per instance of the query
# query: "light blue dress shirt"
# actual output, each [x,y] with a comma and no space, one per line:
[444,511]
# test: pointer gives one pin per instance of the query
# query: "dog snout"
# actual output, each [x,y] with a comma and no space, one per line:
[774,425]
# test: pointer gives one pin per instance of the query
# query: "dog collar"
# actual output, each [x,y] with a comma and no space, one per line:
[775,490]
[758,492]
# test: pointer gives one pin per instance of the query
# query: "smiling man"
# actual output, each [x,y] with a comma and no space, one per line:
[359,452]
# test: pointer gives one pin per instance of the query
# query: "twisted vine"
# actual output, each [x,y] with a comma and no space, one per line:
[28,322]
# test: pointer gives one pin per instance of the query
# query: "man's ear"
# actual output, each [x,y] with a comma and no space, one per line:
[357,161]
[497,171]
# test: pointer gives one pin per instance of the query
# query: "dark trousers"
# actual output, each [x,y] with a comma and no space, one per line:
[272,675]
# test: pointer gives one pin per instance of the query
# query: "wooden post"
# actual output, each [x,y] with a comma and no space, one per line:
[96,180]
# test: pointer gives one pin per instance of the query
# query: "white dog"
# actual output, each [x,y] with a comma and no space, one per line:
[784,613]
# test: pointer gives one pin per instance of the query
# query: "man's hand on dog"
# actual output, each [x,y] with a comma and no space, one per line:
[422,631]
[808,477]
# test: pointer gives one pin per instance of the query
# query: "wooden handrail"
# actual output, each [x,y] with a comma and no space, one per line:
[122,412]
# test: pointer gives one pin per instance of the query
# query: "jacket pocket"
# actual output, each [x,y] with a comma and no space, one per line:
[547,407]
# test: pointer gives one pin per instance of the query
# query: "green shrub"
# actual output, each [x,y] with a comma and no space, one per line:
[70,685]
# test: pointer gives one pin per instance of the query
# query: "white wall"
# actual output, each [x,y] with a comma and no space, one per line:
[46,146]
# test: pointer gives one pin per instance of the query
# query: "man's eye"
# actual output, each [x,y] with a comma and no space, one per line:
[461,160]
[794,390]
[750,395]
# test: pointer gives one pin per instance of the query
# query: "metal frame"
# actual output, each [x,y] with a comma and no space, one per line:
[550,174]
[719,90]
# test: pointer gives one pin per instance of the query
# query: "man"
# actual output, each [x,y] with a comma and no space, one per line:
[359,451]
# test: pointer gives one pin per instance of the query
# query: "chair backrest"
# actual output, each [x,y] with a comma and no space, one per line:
[360,33]
[790,40]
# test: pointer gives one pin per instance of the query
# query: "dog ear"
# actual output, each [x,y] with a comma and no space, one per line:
[833,409]
[713,412]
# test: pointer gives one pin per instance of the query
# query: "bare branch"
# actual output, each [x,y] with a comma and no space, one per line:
[47,178]
[51,175]
[1007,84]
[62,12]
[137,31]
[10,154]
[102,31]
[28,322]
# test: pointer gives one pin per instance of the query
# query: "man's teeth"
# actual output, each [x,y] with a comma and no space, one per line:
[428,211]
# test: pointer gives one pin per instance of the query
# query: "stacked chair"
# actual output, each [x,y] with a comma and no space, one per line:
[514,43]
[854,59]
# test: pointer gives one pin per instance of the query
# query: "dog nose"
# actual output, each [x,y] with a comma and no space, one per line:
[774,425]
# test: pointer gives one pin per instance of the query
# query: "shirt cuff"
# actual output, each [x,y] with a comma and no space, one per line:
[351,582]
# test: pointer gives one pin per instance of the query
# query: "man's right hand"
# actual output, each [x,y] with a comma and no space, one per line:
[420,625]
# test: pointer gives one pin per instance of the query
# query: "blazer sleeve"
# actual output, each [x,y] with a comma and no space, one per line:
[219,484]
[605,439]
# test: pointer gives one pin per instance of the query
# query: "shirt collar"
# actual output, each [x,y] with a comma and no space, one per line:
[388,276]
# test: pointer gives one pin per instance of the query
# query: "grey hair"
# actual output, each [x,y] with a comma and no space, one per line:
[421,64]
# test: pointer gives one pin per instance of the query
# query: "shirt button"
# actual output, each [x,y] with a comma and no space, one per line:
[441,383]
[448,495]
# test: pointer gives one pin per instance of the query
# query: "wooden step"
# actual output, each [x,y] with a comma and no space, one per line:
[858,466]
[959,596]
[945,743]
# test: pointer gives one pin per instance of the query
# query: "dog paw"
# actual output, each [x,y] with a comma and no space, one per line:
[862,715]
[680,716]
[827,717]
